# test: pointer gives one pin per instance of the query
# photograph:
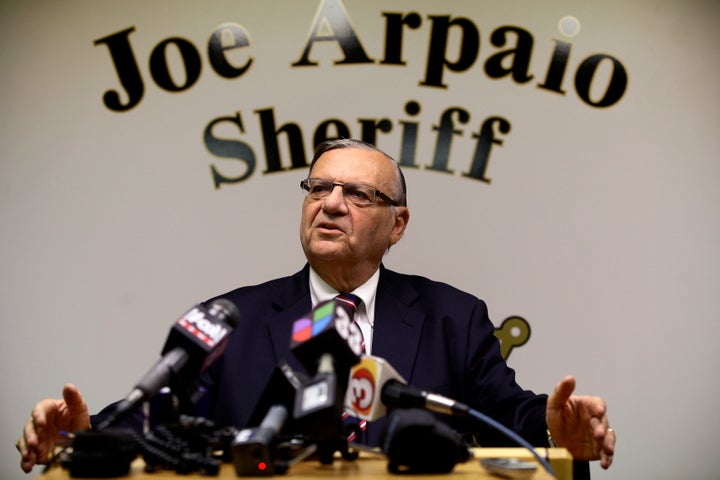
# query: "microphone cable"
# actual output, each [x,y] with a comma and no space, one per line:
[508,433]
[396,393]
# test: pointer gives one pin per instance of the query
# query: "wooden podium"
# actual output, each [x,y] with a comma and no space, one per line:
[370,466]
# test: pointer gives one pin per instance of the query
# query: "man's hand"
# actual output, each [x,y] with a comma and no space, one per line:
[48,424]
[580,424]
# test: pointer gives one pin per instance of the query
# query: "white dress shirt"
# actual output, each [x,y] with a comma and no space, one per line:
[320,292]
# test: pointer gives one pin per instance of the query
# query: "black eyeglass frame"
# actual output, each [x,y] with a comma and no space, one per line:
[305,185]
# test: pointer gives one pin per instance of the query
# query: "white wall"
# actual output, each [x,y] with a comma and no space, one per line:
[600,225]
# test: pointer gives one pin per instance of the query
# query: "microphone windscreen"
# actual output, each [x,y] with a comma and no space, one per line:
[415,441]
[226,311]
[368,380]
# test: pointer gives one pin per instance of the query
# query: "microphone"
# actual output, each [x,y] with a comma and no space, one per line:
[375,386]
[413,440]
[318,403]
[269,444]
[282,388]
[416,442]
[327,342]
[398,394]
[196,340]
[367,380]
[253,448]
[327,328]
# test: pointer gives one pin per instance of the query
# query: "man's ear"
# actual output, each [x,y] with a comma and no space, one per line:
[402,217]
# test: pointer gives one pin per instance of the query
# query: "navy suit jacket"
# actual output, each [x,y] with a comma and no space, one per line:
[436,336]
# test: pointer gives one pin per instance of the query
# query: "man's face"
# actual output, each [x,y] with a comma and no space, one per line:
[340,233]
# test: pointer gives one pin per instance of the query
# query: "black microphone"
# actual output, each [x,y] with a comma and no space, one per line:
[253,448]
[415,441]
[396,394]
[375,388]
[264,447]
[318,404]
[327,342]
[282,388]
[327,328]
[194,342]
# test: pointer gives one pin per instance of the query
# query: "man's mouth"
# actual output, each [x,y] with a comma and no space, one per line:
[328,227]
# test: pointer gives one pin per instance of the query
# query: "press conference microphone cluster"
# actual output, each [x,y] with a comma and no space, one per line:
[195,340]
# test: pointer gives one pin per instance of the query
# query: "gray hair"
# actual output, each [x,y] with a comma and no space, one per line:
[336,144]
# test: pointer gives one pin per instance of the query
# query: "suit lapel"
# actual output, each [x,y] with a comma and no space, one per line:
[396,336]
[291,303]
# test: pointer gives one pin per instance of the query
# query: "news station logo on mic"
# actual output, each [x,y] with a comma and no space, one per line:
[197,324]
[203,332]
[361,391]
[369,378]
[329,319]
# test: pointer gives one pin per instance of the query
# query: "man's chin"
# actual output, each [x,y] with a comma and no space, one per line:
[326,252]
[326,257]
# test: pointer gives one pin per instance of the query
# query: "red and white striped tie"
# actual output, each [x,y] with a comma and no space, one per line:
[351,303]
[356,425]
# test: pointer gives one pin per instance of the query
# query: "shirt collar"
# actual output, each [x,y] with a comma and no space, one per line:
[320,291]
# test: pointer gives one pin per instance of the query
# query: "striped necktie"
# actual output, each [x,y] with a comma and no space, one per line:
[351,303]
[355,425]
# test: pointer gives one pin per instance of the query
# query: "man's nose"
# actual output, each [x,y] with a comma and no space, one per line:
[336,199]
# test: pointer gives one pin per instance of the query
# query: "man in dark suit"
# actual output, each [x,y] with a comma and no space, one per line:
[411,315]
[434,335]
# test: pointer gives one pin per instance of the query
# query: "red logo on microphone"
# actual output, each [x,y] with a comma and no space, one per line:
[362,390]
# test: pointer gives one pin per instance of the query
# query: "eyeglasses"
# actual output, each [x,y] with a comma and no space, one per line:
[359,194]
